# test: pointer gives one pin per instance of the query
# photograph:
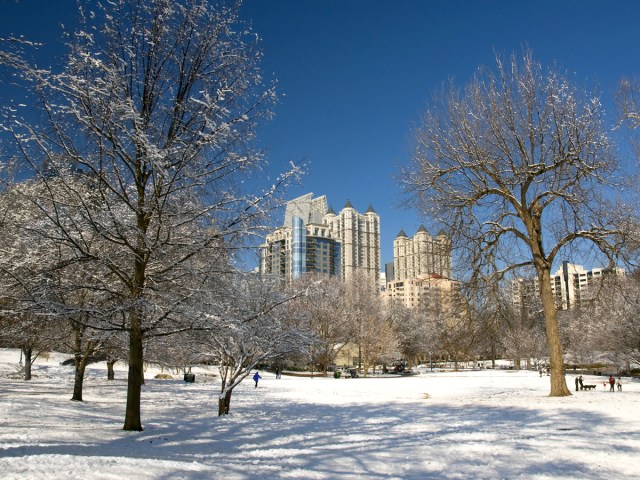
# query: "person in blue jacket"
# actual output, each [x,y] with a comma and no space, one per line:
[256,377]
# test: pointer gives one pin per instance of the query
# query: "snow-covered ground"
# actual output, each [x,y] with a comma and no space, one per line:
[487,424]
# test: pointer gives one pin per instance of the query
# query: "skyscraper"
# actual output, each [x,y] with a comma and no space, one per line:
[359,235]
[421,270]
[570,284]
[314,238]
[421,255]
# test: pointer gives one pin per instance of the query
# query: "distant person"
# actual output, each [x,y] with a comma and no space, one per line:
[612,382]
[577,383]
[256,377]
[619,384]
[580,382]
[278,373]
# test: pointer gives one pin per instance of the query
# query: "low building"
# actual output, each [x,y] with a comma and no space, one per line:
[430,290]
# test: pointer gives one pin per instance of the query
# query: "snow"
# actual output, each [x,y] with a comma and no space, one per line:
[484,424]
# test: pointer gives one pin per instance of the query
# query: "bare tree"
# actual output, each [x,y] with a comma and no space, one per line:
[371,325]
[157,103]
[322,306]
[616,335]
[517,165]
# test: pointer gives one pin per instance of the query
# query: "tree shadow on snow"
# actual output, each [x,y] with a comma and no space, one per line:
[265,438]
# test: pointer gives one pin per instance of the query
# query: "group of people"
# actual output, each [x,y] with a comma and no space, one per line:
[612,383]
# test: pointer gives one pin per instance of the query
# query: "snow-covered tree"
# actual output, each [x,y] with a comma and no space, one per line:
[518,165]
[157,105]
[25,275]
[63,299]
[371,326]
[322,307]
[414,330]
[607,327]
[248,324]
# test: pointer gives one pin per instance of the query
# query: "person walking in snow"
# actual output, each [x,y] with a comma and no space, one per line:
[577,384]
[619,384]
[612,382]
[256,377]
[580,382]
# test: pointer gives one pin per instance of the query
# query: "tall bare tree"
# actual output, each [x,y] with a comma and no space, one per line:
[517,165]
[372,328]
[157,104]
[322,306]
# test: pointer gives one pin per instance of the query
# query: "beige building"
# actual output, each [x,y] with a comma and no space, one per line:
[429,290]
[359,235]
[421,255]
[421,270]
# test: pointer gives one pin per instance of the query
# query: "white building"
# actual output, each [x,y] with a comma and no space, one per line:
[359,235]
[571,282]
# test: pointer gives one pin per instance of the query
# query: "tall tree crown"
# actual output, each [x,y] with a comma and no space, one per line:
[519,157]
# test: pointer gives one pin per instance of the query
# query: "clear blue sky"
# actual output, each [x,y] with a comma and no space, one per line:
[355,75]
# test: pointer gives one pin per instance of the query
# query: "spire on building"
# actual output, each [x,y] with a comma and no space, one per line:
[370,209]
[422,229]
[347,205]
[401,234]
[330,211]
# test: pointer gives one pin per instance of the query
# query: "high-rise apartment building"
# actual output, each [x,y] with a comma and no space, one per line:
[314,238]
[570,284]
[359,235]
[421,271]
[421,255]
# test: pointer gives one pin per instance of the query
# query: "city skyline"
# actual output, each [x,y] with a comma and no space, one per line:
[316,238]
[354,77]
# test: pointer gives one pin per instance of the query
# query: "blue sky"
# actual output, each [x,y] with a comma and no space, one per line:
[355,75]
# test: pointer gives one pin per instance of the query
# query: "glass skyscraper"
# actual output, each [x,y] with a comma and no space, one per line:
[316,239]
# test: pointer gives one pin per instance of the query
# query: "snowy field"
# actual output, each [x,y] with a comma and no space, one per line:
[488,424]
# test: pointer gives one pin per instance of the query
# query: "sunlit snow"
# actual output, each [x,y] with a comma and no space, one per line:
[483,424]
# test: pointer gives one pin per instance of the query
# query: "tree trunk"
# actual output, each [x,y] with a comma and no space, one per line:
[558,382]
[26,353]
[78,380]
[110,373]
[134,381]
[224,403]
[81,357]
